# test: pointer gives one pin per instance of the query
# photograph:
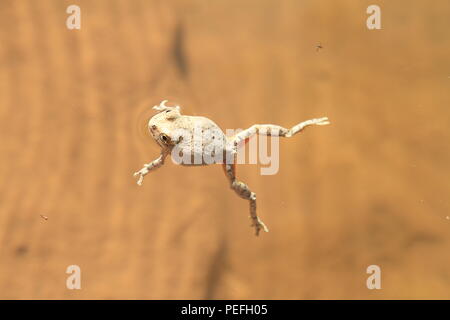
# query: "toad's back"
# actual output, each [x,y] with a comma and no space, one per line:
[203,141]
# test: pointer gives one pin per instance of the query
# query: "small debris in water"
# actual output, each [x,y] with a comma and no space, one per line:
[319,46]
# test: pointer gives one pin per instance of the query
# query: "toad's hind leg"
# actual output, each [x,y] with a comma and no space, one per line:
[271,129]
[244,192]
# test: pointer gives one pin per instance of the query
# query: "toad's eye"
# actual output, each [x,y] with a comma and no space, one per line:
[164,137]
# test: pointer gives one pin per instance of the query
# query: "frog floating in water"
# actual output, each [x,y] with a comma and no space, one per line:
[195,140]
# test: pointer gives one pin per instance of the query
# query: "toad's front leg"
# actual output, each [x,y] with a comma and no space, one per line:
[155,164]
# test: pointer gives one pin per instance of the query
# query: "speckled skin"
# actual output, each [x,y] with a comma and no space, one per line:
[166,126]
[175,132]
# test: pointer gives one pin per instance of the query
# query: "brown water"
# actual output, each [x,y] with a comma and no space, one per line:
[372,188]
